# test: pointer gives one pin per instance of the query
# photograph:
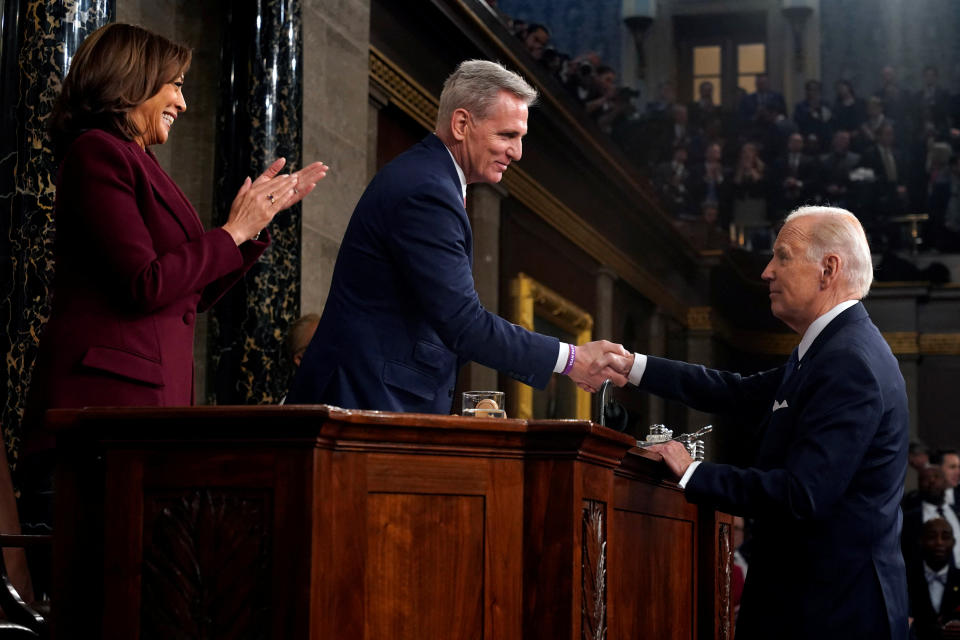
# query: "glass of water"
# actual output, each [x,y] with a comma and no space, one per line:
[483,404]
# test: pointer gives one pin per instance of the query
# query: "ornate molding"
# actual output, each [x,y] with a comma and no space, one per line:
[939,344]
[593,572]
[405,92]
[206,569]
[700,318]
[529,300]
[902,342]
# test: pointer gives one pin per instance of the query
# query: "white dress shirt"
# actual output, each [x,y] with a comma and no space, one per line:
[564,352]
[814,330]
[936,587]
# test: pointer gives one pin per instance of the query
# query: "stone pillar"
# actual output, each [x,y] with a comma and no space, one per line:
[336,86]
[259,119]
[33,68]
[603,320]
[483,207]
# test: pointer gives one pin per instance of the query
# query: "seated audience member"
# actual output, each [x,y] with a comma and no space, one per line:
[933,584]
[875,120]
[681,132]
[535,38]
[812,115]
[918,458]
[704,109]
[749,196]
[299,335]
[949,461]
[794,177]
[889,169]
[704,232]
[896,103]
[933,99]
[762,97]
[944,208]
[931,486]
[662,106]
[673,179]
[710,180]
[848,110]
[835,168]
[601,91]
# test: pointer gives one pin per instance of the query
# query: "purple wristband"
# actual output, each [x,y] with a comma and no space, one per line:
[570,359]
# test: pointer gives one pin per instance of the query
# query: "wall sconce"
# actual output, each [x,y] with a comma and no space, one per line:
[638,15]
[797,12]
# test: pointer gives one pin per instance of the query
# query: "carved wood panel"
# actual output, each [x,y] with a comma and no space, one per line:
[206,568]
[593,573]
[724,577]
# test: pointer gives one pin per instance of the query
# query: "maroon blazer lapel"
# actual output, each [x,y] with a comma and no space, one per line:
[173,199]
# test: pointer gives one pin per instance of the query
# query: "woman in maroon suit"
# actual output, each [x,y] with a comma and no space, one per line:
[133,262]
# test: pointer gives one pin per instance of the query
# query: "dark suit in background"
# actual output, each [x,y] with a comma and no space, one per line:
[402,315]
[824,489]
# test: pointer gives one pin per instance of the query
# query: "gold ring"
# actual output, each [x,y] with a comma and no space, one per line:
[271,198]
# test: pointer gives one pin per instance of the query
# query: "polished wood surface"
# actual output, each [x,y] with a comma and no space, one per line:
[315,522]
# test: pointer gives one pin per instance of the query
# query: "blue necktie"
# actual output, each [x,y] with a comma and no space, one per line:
[790,367]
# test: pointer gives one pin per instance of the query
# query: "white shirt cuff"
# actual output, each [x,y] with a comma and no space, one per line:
[562,356]
[639,366]
[689,472]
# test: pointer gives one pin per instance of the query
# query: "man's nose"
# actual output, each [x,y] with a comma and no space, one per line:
[515,150]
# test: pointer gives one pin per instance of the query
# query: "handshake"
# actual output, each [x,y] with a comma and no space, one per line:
[597,361]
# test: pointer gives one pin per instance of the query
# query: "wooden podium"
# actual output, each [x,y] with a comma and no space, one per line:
[316,522]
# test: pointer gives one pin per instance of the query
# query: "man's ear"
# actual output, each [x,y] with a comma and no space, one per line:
[458,123]
[829,269]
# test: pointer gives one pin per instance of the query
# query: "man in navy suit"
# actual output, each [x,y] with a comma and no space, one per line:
[402,315]
[825,487]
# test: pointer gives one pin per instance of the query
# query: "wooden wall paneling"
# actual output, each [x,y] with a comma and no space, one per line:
[654,565]
[342,576]
[551,535]
[122,536]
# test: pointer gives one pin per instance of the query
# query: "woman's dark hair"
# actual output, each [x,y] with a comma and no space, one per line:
[117,68]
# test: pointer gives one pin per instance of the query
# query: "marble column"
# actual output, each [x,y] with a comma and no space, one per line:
[259,119]
[483,207]
[40,38]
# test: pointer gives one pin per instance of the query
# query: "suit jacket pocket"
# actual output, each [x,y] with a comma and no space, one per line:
[405,378]
[433,356]
[124,364]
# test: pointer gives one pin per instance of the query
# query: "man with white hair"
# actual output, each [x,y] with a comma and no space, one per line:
[403,314]
[832,428]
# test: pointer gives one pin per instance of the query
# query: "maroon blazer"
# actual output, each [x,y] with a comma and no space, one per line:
[133,267]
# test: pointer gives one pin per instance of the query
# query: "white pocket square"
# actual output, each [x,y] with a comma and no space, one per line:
[779,405]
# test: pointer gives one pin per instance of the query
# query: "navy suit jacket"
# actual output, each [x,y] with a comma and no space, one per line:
[824,489]
[402,314]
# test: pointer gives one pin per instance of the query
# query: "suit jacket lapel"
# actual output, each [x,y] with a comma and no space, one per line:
[173,199]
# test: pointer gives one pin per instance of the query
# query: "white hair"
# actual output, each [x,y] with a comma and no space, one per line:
[839,231]
[476,86]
